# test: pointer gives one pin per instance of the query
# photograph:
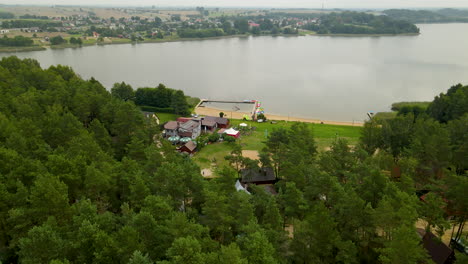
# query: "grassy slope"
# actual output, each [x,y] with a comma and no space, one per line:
[324,136]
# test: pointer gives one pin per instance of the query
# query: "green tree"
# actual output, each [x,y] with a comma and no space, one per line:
[256,248]
[123,91]
[450,106]
[432,210]
[179,103]
[42,244]
[57,40]
[138,258]
[185,250]
[242,25]
[316,237]
[371,136]
[404,247]
[458,130]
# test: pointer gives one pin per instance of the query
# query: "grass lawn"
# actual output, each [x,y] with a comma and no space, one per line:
[165,117]
[324,137]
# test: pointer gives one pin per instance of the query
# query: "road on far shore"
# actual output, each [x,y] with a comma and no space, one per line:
[240,115]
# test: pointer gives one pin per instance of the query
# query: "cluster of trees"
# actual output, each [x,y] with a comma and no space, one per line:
[28,16]
[57,40]
[360,23]
[6,15]
[76,41]
[159,99]
[17,41]
[200,33]
[82,180]
[428,16]
[233,26]
[23,23]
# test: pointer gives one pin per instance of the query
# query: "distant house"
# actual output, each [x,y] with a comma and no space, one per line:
[258,176]
[190,129]
[151,115]
[253,24]
[4,31]
[438,251]
[220,121]
[190,147]
[171,128]
[209,125]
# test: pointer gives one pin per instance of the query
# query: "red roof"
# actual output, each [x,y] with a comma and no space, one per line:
[183,119]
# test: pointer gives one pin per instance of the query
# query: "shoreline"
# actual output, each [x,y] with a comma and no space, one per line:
[74,46]
[210,111]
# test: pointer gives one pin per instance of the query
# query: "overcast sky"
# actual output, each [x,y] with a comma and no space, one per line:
[256,3]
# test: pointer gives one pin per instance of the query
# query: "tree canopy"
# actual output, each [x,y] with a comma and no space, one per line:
[85,178]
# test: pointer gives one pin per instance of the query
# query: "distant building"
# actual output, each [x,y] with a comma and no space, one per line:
[221,122]
[209,125]
[252,24]
[189,148]
[438,251]
[190,129]
[4,31]
[171,128]
[259,176]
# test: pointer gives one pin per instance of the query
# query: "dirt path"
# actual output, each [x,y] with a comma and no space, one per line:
[239,115]
[251,154]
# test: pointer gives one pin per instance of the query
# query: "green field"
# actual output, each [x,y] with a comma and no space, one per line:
[324,135]
[165,117]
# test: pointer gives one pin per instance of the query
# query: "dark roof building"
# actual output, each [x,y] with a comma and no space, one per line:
[190,147]
[438,251]
[258,176]
[171,125]
[221,121]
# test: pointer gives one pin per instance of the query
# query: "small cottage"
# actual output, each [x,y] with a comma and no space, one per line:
[191,129]
[170,129]
[221,122]
[259,176]
[189,148]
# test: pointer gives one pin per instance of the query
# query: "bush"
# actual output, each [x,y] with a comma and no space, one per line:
[213,137]
[229,139]
[57,40]
[261,116]
[157,109]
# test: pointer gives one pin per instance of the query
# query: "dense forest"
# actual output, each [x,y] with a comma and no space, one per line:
[158,99]
[86,178]
[445,15]
[6,15]
[361,23]
[26,23]
[17,41]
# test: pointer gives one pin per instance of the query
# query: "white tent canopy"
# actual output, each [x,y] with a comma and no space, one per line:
[239,187]
[231,132]
[243,125]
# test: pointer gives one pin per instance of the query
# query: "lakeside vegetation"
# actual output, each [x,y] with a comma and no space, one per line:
[254,139]
[84,28]
[361,23]
[86,178]
[446,15]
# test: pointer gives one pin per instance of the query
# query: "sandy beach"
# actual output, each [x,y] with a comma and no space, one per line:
[240,115]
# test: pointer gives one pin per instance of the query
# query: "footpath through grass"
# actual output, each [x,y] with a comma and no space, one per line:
[212,155]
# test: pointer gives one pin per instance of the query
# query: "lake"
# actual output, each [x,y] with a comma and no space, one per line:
[323,77]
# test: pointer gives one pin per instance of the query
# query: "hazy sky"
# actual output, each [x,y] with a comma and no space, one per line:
[256,3]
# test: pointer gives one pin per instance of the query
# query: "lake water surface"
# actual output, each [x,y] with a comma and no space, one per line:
[330,78]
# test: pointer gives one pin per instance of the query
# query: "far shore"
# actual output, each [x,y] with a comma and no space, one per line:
[240,115]
[74,46]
